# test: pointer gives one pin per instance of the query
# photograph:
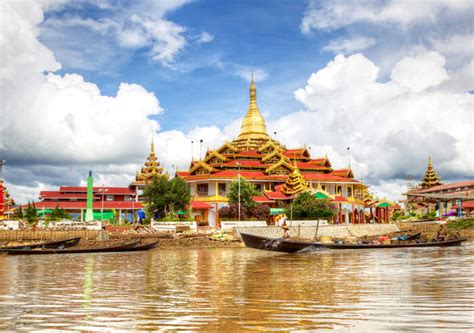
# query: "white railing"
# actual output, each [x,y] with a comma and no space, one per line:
[171,225]
[72,225]
[225,225]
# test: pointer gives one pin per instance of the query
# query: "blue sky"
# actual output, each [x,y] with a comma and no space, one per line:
[246,35]
[89,83]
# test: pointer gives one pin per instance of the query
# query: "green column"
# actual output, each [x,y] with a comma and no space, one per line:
[89,210]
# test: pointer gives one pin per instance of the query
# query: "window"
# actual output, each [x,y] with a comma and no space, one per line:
[109,198]
[202,189]
[338,190]
[323,187]
[349,191]
[221,188]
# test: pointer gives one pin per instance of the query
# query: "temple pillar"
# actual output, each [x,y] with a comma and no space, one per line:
[119,217]
[218,224]
[352,215]
[82,215]
[340,213]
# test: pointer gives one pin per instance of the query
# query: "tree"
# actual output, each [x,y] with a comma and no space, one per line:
[307,206]
[261,212]
[247,191]
[19,213]
[232,212]
[31,215]
[59,214]
[164,197]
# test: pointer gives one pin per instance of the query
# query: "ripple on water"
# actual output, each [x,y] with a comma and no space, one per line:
[230,289]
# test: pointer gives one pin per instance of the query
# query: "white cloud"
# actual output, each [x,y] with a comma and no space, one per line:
[350,45]
[420,72]
[334,14]
[141,24]
[63,120]
[392,190]
[393,126]
[204,38]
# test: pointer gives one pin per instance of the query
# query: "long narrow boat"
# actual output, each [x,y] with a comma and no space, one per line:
[117,248]
[293,246]
[62,243]
[144,247]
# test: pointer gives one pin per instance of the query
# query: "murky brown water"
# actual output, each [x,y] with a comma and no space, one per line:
[240,289]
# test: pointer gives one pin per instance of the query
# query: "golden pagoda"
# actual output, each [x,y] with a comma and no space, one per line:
[294,183]
[150,168]
[253,131]
[431,177]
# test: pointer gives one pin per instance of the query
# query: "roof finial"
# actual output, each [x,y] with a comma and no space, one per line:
[152,146]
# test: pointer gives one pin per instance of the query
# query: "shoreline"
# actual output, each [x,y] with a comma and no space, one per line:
[209,239]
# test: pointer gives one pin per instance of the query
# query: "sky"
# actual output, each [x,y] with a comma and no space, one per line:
[85,85]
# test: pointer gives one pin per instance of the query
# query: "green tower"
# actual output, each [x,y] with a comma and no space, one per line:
[90,194]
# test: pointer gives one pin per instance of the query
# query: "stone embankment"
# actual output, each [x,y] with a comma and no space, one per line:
[336,231]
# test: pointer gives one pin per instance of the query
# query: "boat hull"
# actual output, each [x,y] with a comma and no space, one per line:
[62,243]
[118,248]
[290,246]
[144,247]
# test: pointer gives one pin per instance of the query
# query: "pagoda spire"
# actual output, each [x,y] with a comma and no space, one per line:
[253,125]
[150,168]
[152,147]
[431,177]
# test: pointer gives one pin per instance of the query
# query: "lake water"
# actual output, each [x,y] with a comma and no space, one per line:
[225,290]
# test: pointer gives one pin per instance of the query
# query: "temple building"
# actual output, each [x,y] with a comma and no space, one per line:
[431,195]
[277,172]
[107,202]
[7,204]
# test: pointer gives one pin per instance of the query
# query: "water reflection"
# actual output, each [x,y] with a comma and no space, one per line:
[231,289]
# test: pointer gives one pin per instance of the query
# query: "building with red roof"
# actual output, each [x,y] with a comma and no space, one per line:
[432,195]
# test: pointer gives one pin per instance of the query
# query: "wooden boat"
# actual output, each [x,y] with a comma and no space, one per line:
[117,248]
[144,247]
[294,246]
[56,244]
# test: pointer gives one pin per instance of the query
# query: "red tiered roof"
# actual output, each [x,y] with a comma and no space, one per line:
[82,205]
[245,163]
[465,204]
[276,196]
[262,199]
[200,205]
[449,186]
[107,189]
[328,177]
[59,195]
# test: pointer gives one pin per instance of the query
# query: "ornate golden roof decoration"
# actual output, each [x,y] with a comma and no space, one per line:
[282,162]
[201,164]
[294,183]
[150,168]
